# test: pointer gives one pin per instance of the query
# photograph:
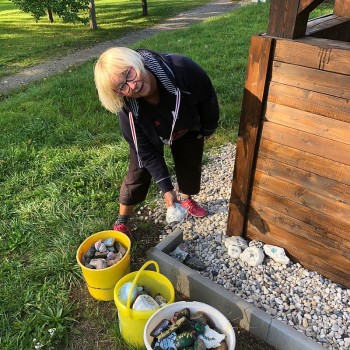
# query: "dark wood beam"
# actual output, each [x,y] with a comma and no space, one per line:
[251,115]
[288,18]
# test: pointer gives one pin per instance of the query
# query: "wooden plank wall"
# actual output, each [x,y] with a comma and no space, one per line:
[301,190]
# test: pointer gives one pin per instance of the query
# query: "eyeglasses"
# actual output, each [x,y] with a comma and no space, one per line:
[124,88]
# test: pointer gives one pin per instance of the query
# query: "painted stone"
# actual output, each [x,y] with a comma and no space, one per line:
[100,254]
[234,251]
[91,252]
[167,343]
[199,317]
[184,313]
[199,328]
[111,256]
[160,300]
[160,328]
[98,263]
[102,248]
[236,241]
[124,292]
[120,248]
[184,339]
[276,253]
[97,244]
[194,263]
[179,254]
[255,243]
[109,242]
[212,338]
[253,256]
[173,327]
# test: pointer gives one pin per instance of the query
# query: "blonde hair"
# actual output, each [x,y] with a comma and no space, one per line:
[108,68]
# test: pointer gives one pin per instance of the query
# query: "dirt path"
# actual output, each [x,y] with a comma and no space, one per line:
[182,20]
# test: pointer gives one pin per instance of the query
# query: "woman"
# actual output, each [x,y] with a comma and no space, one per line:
[162,99]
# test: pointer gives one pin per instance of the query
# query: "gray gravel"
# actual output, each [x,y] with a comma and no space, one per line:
[303,299]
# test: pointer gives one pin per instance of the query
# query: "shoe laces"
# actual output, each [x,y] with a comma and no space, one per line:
[192,204]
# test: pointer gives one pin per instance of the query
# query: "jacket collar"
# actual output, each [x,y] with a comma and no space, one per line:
[156,64]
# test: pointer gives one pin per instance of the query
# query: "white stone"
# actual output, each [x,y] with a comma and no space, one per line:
[253,256]
[234,251]
[175,214]
[145,302]
[211,338]
[124,293]
[237,241]
[276,253]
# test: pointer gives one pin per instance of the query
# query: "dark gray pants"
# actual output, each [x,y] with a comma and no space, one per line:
[187,153]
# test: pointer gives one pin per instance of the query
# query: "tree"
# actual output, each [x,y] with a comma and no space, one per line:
[144,8]
[68,10]
[92,15]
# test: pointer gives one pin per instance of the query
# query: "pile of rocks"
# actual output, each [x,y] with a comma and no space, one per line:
[186,330]
[103,254]
[252,253]
[305,300]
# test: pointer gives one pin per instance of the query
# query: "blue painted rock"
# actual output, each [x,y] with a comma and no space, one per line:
[124,292]
[109,242]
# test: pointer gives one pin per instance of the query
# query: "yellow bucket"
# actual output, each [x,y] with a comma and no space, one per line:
[132,322]
[101,282]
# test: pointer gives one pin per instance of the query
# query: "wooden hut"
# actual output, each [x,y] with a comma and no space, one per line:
[291,181]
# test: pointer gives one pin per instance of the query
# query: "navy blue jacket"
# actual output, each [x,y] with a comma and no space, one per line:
[191,99]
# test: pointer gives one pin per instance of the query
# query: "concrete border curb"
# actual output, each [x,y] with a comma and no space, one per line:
[197,287]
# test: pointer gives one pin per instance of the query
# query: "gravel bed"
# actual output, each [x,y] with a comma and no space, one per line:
[303,299]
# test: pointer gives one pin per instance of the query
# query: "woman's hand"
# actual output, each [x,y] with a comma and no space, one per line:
[170,199]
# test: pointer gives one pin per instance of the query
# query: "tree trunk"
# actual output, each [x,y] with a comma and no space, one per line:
[50,15]
[92,15]
[144,8]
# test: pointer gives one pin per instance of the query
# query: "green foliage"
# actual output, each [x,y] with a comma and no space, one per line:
[49,325]
[68,10]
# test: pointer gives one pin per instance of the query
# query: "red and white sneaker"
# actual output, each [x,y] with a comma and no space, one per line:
[193,208]
[122,228]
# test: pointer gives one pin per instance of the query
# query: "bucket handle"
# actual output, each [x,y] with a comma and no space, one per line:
[146,264]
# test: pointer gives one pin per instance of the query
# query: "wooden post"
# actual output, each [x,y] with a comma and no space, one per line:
[342,8]
[252,110]
[288,18]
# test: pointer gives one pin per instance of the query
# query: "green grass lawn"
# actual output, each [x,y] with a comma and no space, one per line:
[62,162]
[25,42]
